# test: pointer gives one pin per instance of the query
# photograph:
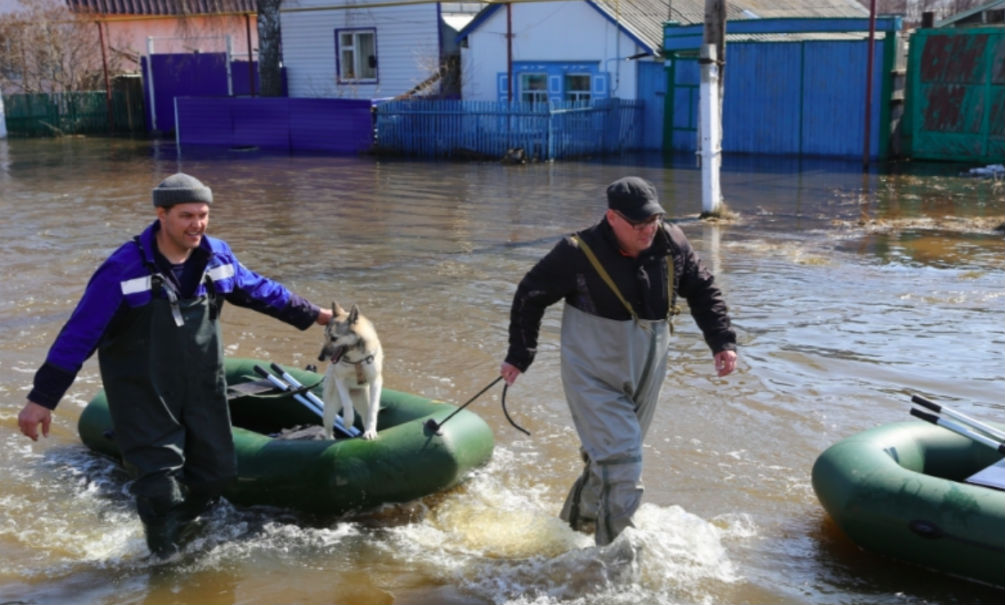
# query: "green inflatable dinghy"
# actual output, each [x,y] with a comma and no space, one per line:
[913,491]
[412,456]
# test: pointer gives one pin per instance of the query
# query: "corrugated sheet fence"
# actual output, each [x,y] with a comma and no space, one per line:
[63,113]
[492,130]
[792,86]
[277,123]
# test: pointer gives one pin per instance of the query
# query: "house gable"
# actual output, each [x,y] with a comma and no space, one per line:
[614,18]
[544,64]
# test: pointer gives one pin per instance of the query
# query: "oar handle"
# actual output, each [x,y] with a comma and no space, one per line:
[918,399]
[278,369]
[924,416]
[283,386]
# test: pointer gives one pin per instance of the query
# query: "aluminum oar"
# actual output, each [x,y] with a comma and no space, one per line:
[958,428]
[307,403]
[278,369]
[967,420]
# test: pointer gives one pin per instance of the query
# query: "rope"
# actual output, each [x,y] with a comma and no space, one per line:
[432,424]
[506,413]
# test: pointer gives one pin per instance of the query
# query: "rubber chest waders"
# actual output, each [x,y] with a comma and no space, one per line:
[163,374]
[612,371]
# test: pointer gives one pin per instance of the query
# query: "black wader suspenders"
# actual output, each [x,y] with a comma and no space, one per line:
[159,282]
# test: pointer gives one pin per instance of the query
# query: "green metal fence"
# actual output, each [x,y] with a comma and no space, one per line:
[956,94]
[65,113]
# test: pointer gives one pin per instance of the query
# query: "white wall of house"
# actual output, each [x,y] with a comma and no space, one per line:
[407,45]
[547,31]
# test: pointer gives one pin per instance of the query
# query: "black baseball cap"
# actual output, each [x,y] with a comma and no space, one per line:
[634,197]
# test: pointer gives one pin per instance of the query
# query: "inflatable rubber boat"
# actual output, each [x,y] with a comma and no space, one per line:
[919,493]
[283,460]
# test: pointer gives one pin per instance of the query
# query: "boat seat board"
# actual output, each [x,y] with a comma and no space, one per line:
[252,387]
[992,476]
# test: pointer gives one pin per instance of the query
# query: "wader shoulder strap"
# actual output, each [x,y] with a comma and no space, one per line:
[604,275]
[672,309]
[159,282]
[215,298]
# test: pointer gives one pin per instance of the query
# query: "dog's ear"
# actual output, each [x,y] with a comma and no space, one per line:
[337,309]
[354,313]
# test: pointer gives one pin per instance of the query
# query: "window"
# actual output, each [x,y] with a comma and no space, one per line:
[577,88]
[356,50]
[541,82]
[534,88]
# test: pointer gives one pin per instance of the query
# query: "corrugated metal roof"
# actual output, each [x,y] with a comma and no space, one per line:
[763,9]
[815,36]
[966,16]
[645,18]
[162,7]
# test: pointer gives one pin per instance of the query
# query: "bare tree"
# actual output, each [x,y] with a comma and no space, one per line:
[44,47]
[269,46]
[912,10]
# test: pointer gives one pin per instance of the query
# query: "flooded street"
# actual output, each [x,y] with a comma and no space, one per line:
[849,292]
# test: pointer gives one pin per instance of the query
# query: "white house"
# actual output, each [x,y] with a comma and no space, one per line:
[588,49]
[558,51]
[362,49]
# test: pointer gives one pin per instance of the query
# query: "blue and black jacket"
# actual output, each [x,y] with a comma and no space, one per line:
[127,280]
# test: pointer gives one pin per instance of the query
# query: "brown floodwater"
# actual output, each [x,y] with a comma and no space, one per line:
[849,292]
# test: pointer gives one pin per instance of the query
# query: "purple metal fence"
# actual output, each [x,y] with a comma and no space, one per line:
[170,75]
[276,123]
[192,75]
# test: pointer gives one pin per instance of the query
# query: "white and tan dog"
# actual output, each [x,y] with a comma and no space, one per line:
[353,379]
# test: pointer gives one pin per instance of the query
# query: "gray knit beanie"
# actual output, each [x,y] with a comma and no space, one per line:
[181,188]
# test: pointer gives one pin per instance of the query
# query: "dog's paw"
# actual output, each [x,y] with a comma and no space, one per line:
[371,434]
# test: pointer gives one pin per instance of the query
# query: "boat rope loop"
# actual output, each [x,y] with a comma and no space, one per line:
[433,426]
[506,413]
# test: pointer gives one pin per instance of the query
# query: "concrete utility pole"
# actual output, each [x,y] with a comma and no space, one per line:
[713,52]
[3,120]
[868,85]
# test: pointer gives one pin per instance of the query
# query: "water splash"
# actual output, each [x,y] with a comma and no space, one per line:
[505,545]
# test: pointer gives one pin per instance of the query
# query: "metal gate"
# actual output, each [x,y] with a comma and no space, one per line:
[792,87]
[956,94]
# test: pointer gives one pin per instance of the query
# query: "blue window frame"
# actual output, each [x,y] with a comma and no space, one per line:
[555,82]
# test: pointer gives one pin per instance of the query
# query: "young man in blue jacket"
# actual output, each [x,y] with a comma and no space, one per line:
[152,312]
[620,280]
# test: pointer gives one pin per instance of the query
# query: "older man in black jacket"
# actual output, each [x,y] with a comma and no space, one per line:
[620,279]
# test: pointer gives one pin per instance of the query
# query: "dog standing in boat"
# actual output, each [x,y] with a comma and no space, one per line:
[353,379]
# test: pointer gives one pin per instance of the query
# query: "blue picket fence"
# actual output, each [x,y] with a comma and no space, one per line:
[492,130]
